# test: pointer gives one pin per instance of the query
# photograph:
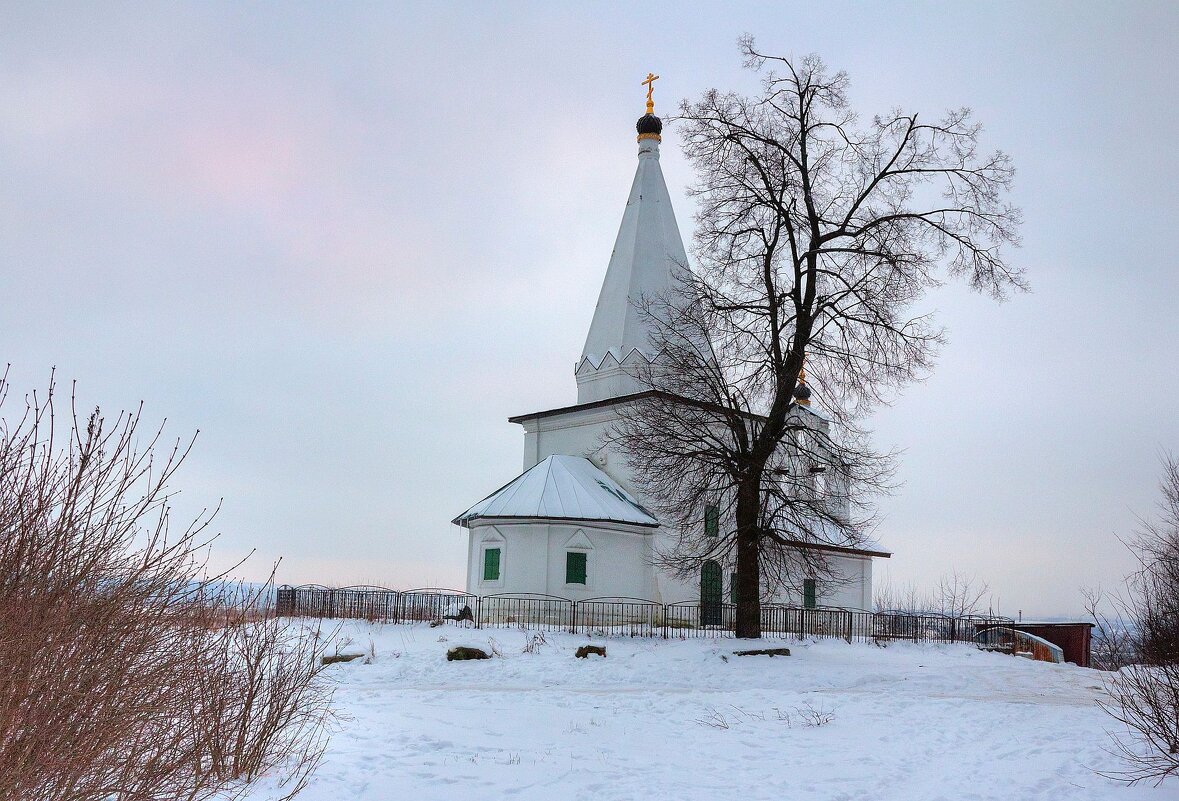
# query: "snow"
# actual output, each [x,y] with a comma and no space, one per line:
[562,487]
[686,719]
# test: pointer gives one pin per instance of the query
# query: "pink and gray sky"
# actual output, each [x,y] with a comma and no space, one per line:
[346,241]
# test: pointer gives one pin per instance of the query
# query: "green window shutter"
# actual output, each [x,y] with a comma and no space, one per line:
[809,593]
[575,567]
[711,521]
[732,588]
[491,564]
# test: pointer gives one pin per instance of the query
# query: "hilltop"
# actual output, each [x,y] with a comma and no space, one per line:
[686,719]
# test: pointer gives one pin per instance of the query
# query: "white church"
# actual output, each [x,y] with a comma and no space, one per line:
[572,524]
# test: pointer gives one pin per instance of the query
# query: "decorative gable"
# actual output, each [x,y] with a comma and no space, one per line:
[579,541]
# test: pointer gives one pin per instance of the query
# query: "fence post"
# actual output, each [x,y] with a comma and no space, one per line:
[849,627]
[478,611]
[573,617]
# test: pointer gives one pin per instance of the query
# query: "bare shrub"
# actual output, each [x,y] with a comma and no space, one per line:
[713,720]
[807,716]
[257,704]
[1113,644]
[535,643]
[812,716]
[126,671]
[1145,694]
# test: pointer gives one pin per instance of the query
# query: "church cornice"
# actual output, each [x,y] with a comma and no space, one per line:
[588,522]
[631,398]
[581,407]
[632,356]
[823,546]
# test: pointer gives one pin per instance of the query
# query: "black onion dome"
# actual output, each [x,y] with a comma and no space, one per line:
[649,124]
[802,392]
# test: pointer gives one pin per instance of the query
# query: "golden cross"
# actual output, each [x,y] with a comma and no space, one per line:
[650,84]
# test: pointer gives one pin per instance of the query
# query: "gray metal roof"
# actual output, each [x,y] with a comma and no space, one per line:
[561,488]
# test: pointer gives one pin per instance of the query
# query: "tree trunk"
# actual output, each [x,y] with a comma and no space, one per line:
[748,623]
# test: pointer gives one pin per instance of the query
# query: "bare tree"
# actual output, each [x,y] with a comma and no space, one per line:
[958,594]
[1145,694]
[888,597]
[955,594]
[123,664]
[816,235]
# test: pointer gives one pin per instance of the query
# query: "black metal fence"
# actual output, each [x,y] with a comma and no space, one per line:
[612,617]
[435,604]
[619,617]
[378,604]
[528,611]
[694,619]
[847,624]
[313,600]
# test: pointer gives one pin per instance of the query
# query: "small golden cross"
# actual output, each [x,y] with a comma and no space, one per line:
[650,84]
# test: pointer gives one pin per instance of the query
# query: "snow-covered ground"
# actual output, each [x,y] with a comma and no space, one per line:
[674,719]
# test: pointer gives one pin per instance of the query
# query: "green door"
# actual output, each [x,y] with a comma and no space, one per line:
[711,594]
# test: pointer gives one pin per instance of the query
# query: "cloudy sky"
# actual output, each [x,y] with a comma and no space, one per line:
[347,241]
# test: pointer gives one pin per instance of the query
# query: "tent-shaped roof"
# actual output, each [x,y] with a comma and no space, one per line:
[561,488]
[646,257]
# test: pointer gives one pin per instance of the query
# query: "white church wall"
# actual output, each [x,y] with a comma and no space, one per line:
[674,590]
[479,538]
[522,565]
[609,380]
[582,433]
[866,599]
[856,589]
[576,433]
[533,559]
[617,562]
[852,589]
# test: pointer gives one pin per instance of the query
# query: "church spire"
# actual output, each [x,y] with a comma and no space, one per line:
[647,255]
